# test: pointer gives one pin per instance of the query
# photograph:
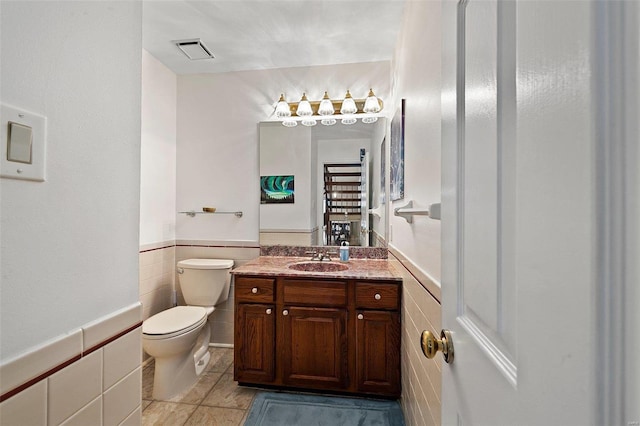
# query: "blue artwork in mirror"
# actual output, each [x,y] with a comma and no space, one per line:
[276,190]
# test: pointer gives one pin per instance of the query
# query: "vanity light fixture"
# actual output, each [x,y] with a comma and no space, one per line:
[282,108]
[371,106]
[304,110]
[348,109]
[325,110]
[348,105]
[304,107]
[328,111]
[284,112]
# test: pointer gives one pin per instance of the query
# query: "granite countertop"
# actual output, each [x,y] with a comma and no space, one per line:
[369,269]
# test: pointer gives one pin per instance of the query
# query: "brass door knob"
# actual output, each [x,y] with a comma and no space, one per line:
[431,345]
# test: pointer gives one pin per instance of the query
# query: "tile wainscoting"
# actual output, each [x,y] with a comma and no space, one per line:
[91,375]
[421,377]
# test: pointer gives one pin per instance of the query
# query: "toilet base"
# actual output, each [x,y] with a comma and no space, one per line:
[178,373]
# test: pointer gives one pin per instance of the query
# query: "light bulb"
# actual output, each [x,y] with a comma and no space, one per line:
[349,120]
[328,121]
[289,123]
[371,104]
[369,120]
[348,105]
[326,107]
[282,108]
[304,107]
[309,122]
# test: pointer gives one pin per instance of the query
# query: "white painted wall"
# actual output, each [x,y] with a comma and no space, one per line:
[417,78]
[158,152]
[217,137]
[69,246]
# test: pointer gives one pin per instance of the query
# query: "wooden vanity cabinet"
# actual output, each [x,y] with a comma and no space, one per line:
[378,338]
[338,335]
[255,315]
[313,333]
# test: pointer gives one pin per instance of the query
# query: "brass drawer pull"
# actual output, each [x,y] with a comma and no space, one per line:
[377,296]
[254,290]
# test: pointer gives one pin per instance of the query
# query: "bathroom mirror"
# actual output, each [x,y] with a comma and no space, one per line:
[322,185]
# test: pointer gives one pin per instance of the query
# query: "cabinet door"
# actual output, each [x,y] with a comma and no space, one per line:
[254,343]
[378,352]
[314,347]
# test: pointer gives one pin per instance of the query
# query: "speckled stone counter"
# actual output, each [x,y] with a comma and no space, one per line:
[369,269]
[355,252]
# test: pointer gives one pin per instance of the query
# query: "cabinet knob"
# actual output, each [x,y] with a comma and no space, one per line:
[377,296]
[269,311]
[254,290]
[285,312]
[360,316]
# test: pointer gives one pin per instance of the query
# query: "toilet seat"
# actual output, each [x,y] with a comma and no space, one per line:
[174,322]
[205,263]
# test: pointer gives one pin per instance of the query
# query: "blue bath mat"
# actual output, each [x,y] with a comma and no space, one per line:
[290,409]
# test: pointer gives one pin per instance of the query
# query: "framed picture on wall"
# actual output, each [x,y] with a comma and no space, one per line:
[397,155]
[276,190]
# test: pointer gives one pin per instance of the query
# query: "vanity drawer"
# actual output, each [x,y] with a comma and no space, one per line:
[315,292]
[249,289]
[377,296]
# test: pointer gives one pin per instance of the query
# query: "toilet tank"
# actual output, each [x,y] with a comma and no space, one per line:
[205,282]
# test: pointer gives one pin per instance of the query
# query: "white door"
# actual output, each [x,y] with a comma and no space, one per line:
[522,188]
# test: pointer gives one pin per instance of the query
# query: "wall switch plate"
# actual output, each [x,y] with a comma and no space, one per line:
[23,150]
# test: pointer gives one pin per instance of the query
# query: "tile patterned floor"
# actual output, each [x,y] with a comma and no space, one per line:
[214,400]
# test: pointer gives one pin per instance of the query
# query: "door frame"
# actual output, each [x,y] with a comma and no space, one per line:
[616,113]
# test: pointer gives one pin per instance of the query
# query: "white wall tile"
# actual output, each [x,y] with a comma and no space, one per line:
[108,326]
[91,414]
[29,407]
[123,398]
[421,377]
[155,301]
[121,357]
[41,359]
[73,387]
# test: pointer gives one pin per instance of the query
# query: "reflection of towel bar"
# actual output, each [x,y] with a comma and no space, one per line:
[408,211]
[377,211]
[193,213]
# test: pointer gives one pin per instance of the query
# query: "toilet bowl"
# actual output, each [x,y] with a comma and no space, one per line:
[178,338]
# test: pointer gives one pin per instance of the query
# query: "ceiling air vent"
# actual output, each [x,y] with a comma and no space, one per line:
[194,49]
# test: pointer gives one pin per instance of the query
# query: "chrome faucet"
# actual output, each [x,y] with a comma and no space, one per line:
[320,256]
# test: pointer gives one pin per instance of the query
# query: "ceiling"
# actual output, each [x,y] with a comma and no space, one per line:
[265,34]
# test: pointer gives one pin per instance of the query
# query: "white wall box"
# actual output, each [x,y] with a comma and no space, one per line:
[24,136]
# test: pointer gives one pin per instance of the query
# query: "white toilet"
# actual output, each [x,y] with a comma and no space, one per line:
[178,338]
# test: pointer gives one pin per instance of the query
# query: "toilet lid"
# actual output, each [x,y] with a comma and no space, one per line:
[205,263]
[174,320]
